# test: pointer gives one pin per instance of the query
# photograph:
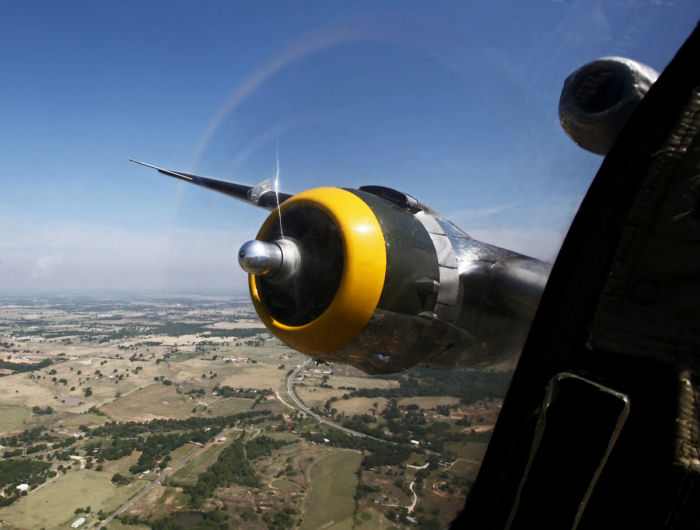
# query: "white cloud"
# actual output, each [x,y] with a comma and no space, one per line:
[45,255]
[45,265]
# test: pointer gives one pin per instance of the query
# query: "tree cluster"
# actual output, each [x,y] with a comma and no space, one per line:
[231,467]
[158,446]
[133,428]
[467,385]
[20,471]
[24,367]
[263,446]
[227,391]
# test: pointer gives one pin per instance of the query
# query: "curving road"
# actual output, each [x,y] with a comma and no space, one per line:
[321,419]
[178,465]
[415,497]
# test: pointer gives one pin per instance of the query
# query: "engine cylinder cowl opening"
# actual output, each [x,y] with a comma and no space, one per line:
[305,295]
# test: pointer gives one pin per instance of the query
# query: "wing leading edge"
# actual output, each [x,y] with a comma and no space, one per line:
[261,195]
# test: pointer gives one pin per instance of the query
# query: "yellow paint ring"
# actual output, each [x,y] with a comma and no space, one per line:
[360,285]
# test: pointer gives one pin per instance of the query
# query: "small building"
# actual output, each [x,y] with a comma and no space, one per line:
[222,439]
[78,522]
[23,487]
[415,442]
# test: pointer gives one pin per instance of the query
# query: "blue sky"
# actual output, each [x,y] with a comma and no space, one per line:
[452,102]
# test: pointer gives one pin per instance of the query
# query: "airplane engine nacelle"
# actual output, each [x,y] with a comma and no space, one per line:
[598,99]
[375,279]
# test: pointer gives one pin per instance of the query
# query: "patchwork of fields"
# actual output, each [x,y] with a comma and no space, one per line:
[118,397]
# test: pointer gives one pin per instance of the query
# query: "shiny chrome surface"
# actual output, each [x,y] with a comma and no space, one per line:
[291,260]
[276,261]
[260,258]
[486,299]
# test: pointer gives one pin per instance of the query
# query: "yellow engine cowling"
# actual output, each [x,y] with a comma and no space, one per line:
[359,285]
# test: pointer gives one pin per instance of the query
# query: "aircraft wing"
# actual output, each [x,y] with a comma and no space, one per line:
[335,271]
[261,195]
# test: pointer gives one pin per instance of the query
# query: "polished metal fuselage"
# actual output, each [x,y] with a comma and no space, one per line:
[485,300]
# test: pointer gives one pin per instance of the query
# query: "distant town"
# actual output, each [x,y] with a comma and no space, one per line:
[183,411]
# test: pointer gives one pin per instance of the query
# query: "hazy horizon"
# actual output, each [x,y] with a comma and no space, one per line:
[454,104]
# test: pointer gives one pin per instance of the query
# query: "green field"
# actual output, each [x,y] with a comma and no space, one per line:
[362,382]
[370,519]
[256,376]
[189,473]
[429,402]
[241,375]
[72,421]
[12,416]
[53,505]
[116,524]
[473,450]
[282,435]
[181,452]
[18,389]
[153,401]
[333,484]
[359,405]
[315,396]
[110,467]
[226,406]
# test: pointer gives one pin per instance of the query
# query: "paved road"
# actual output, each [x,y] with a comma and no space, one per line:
[298,403]
[321,419]
[165,475]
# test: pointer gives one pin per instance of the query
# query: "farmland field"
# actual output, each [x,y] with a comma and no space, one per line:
[122,387]
[429,402]
[360,405]
[188,473]
[150,402]
[12,416]
[53,505]
[333,482]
